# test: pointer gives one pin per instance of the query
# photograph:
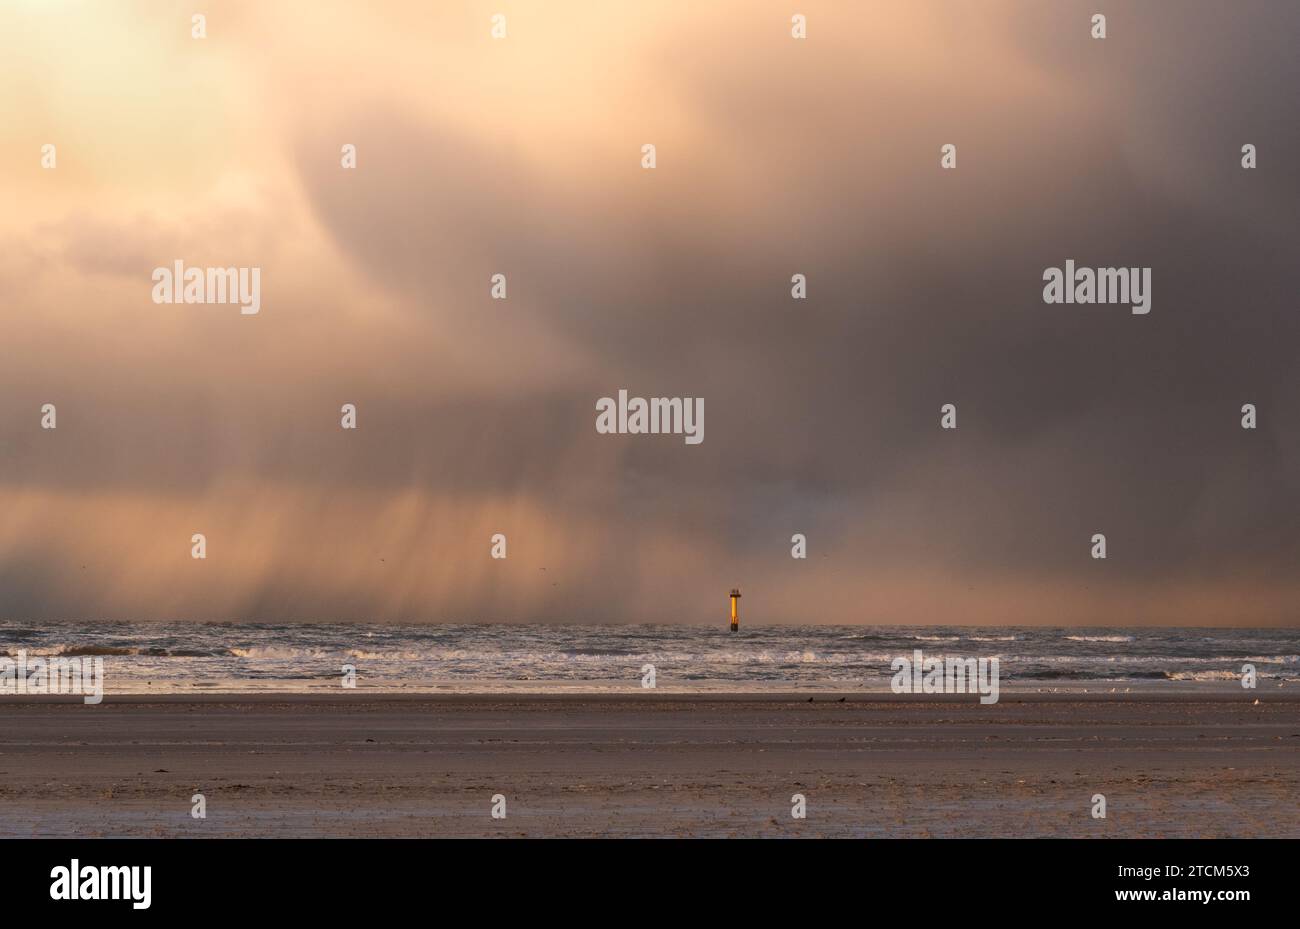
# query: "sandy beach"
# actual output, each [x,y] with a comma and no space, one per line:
[652,765]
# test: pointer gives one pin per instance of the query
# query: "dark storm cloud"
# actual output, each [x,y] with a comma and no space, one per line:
[925,288]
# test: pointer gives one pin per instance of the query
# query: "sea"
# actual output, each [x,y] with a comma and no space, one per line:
[193,657]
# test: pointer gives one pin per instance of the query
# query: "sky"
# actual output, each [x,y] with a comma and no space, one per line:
[775,156]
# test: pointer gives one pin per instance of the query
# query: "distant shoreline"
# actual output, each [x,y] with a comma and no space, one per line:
[1195,692]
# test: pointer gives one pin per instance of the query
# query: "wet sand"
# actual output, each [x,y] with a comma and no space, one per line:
[652,765]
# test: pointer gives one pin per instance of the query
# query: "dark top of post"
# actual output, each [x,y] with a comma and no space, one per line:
[735,591]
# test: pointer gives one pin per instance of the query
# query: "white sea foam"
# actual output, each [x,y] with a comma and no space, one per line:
[190,657]
[1204,676]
